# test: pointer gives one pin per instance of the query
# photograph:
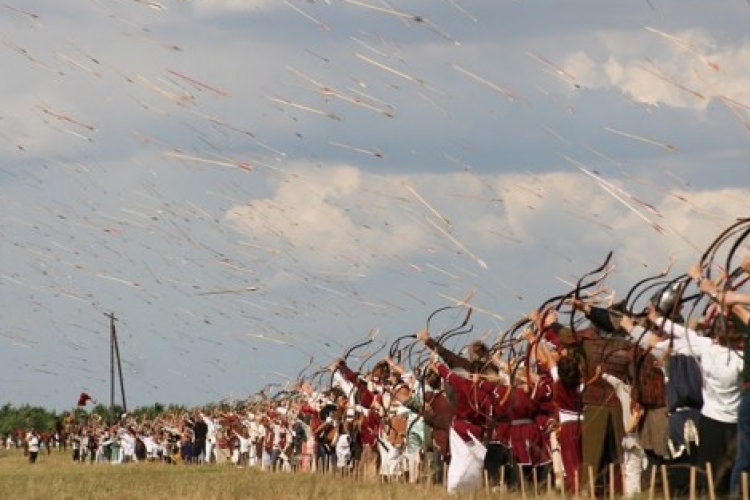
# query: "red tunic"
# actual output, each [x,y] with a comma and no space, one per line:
[470,399]
[439,415]
[526,438]
[364,395]
[569,401]
[497,411]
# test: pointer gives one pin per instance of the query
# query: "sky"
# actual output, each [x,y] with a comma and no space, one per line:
[249,184]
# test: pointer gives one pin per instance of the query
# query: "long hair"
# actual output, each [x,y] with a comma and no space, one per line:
[569,372]
[724,332]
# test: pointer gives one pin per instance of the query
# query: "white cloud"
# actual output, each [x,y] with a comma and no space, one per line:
[331,217]
[685,69]
[218,6]
[338,215]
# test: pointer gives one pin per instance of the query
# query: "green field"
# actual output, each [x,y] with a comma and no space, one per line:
[56,477]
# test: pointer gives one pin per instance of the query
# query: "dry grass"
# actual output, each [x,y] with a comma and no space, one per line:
[57,477]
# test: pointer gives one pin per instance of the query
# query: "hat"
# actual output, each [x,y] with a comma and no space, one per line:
[665,299]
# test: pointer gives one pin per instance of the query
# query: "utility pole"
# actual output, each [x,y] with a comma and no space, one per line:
[114,356]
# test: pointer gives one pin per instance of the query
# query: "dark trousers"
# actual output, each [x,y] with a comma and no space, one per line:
[199,447]
[718,447]
[500,458]
[742,459]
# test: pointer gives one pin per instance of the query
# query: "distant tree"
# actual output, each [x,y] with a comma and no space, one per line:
[25,417]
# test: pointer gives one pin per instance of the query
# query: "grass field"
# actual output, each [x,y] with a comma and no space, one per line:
[56,477]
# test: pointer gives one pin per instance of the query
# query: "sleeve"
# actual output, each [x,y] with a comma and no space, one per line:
[642,337]
[599,316]
[612,380]
[348,373]
[456,381]
[346,385]
[690,338]
[451,359]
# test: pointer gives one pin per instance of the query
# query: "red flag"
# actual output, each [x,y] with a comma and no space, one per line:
[84,398]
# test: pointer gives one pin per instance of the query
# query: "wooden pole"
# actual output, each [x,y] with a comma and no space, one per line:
[652,483]
[744,486]
[112,320]
[692,483]
[665,481]
[592,482]
[536,481]
[710,478]
[119,367]
[611,481]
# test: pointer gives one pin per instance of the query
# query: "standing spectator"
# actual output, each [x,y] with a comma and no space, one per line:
[186,448]
[211,433]
[93,446]
[76,444]
[243,458]
[33,444]
[200,432]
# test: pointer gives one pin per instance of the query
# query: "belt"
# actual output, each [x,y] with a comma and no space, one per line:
[522,421]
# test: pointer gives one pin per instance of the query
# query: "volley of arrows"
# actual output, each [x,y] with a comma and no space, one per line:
[250,186]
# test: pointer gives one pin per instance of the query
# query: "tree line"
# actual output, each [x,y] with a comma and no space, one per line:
[14,417]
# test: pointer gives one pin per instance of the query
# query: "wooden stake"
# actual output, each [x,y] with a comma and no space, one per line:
[665,481]
[710,478]
[652,483]
[592,483]
[692,483]
[536,481]
[611,481]
[486,482]
[549,483]
[744,486]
